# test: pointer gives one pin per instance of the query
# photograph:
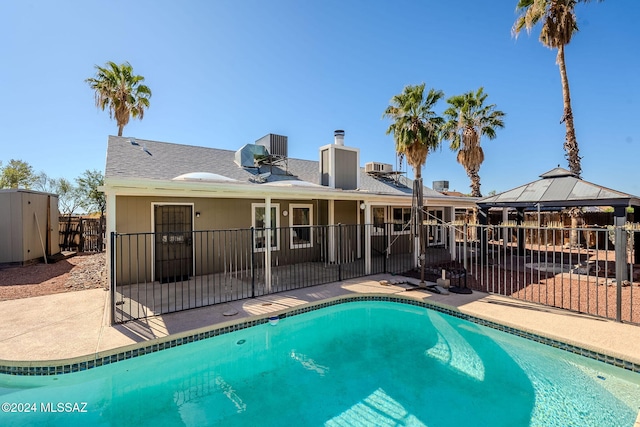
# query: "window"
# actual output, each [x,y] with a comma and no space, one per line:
[300,221]
[401,219]
[258,221]
[378,219]
[435,229]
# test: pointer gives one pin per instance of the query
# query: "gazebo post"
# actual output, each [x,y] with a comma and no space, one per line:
[636,236]
[619,220]
[521,233]
[483,221]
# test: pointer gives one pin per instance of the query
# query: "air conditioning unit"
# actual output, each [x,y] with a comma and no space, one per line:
[378,167]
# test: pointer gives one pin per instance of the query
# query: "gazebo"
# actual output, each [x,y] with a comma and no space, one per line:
[561,189]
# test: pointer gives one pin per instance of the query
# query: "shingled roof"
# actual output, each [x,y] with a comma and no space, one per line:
[559,188]
[163,161]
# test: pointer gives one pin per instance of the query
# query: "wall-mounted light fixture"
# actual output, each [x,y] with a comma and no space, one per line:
[285,213]
[362,206]
[197,214]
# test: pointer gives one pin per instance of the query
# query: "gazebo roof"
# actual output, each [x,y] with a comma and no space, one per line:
[559,188]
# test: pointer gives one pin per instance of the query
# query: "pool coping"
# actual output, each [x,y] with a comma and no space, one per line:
[106,357]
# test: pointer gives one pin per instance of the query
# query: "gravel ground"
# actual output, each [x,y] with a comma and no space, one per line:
[83,271]
[584,294]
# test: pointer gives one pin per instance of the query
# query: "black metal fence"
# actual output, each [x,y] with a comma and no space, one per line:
[590,270]
[158,273]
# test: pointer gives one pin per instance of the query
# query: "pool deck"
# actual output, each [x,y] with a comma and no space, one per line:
[76,324]
[71,326]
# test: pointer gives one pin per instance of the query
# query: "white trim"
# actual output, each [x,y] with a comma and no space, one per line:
[153,230]
[241,190]
[110,212]
[293,206]
[275,206]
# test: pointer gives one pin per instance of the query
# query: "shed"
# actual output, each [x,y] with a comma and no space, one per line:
[28,226]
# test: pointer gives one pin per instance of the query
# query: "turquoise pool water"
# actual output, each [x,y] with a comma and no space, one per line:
[358,363]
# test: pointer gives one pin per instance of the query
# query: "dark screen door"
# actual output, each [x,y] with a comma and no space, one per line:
[174,243]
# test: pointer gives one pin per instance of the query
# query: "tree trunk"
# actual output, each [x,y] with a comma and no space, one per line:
[570,142]
[474,176]
[417,190]
[576,220]
[120,128]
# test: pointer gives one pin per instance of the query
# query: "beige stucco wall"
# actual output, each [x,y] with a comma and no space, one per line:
[133,214]
[346,212]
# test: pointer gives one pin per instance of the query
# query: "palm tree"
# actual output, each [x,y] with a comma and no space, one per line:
[558,26]
[416,131]
[468,119]
[117,88]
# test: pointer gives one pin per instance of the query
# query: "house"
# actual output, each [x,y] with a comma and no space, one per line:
[175,190]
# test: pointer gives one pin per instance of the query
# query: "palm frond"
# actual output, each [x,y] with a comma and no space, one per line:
[119,90]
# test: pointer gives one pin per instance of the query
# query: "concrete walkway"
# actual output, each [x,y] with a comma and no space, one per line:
[75,325]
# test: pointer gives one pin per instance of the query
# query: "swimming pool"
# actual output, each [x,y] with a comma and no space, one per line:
[356,363]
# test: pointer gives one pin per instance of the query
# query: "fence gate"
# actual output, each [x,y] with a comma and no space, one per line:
[81,234]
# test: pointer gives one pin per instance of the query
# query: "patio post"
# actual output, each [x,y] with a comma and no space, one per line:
[332,231]
[340,255]
[253,263]
[269,235]
[367,238]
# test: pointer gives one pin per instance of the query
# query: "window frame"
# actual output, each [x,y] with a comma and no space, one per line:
[292,226]
[402,230]
[262,230]
[375,231]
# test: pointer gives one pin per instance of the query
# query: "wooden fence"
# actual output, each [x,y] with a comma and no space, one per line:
[81,234]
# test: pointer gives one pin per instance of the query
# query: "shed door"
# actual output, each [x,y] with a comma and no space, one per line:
[174,243]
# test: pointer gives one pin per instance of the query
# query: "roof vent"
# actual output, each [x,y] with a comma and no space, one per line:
[338,137]
[249,154]
[441,186]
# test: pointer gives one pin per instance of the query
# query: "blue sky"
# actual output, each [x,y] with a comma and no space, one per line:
[225,73]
